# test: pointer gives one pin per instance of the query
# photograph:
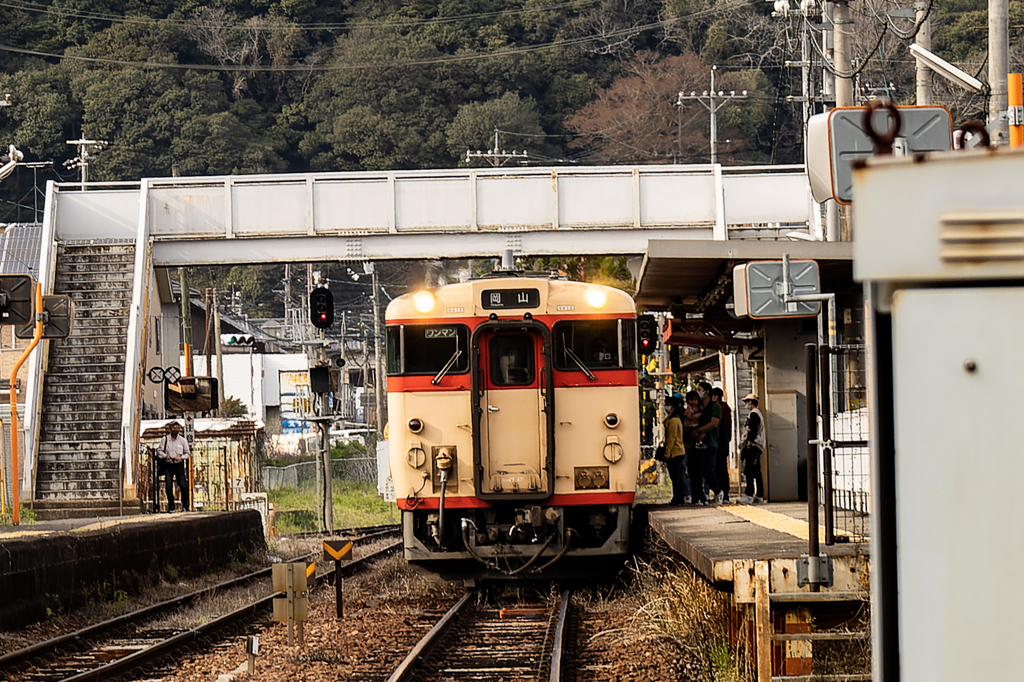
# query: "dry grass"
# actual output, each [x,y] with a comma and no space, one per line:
[680,613]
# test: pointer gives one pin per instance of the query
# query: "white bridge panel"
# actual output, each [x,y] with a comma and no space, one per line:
[751,200]
[524,201]
[356,205]
[116,211]
[433,204]
[596,200]
[287,214]
[664,197]
[192,210]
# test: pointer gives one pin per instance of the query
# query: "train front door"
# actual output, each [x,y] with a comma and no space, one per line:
[513,390]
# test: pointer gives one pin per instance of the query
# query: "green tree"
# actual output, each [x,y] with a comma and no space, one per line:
[233,407]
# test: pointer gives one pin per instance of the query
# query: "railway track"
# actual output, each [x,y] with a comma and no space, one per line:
[116,646]
[472,642]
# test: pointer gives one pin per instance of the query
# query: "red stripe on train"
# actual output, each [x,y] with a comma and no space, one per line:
[575,500]
[460,382]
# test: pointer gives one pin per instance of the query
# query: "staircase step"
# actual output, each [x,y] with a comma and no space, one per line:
[61,464]
[83,487]
[48,452]
[87,512]
[93,496]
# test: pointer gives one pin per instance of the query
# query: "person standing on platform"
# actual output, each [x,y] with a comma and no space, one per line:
[174,452]
[675,453]
[751,448]
[705,447]
[724,440]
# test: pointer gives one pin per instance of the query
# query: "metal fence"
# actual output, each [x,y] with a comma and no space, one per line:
[845,475]
[304,473]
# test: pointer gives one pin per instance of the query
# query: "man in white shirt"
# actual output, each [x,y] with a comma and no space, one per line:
[174,452]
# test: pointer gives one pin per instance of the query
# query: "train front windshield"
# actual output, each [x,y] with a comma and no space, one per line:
[428,349]
[598,344]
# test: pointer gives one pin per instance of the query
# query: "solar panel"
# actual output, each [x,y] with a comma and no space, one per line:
[19,249]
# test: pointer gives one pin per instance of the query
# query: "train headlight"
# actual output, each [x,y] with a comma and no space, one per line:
[597,298]
[424,301]
[415,425]
[611,420]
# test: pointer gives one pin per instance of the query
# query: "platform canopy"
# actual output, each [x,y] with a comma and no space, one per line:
[693,280]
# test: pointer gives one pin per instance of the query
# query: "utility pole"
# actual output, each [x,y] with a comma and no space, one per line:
[843,52]
[288,300]
[378,384]
[998,67]
[497,158]
[220,357]
[924,39]
[186,319]
[82,160]
[712,101]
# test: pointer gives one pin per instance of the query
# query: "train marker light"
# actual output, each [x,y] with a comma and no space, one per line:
[611,419]
[415,425]
[597,298]
[424,301]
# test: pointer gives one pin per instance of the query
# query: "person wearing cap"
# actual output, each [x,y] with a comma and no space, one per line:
[751,448]
[174,452]
[675,453]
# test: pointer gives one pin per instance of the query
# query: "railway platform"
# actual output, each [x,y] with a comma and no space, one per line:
[61,564]
[753,554]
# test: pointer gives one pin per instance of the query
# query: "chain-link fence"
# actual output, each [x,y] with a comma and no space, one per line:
[362,469]
[846,461]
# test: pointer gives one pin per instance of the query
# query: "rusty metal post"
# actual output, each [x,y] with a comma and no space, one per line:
[827,451]
[811,417]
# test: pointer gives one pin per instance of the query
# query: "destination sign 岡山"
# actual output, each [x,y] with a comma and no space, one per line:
[498,299]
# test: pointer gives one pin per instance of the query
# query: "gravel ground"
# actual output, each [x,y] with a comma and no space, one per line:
[655,623]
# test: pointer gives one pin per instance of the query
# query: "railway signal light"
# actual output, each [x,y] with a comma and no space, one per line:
[321,307]
[647,334]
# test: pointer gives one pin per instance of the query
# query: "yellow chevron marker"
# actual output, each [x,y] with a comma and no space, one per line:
[339,550]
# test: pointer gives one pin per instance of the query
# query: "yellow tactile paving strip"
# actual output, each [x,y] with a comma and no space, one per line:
[768,519]
[780,522]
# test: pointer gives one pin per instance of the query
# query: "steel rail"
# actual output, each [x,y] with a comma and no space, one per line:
[164,647]
[561,632]
[410,665]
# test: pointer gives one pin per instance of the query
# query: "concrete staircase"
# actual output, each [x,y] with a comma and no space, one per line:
[79,430]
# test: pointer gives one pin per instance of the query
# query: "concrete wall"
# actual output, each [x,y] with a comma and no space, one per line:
[62,571]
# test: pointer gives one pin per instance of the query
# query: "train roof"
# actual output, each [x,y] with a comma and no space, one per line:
[513,296]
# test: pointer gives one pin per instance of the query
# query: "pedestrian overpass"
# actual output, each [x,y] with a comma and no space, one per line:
[455,213]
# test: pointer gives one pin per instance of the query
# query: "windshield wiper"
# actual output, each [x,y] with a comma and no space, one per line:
[447,366]
[579,363]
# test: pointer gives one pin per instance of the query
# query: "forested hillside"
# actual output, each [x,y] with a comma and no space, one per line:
[261,86]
